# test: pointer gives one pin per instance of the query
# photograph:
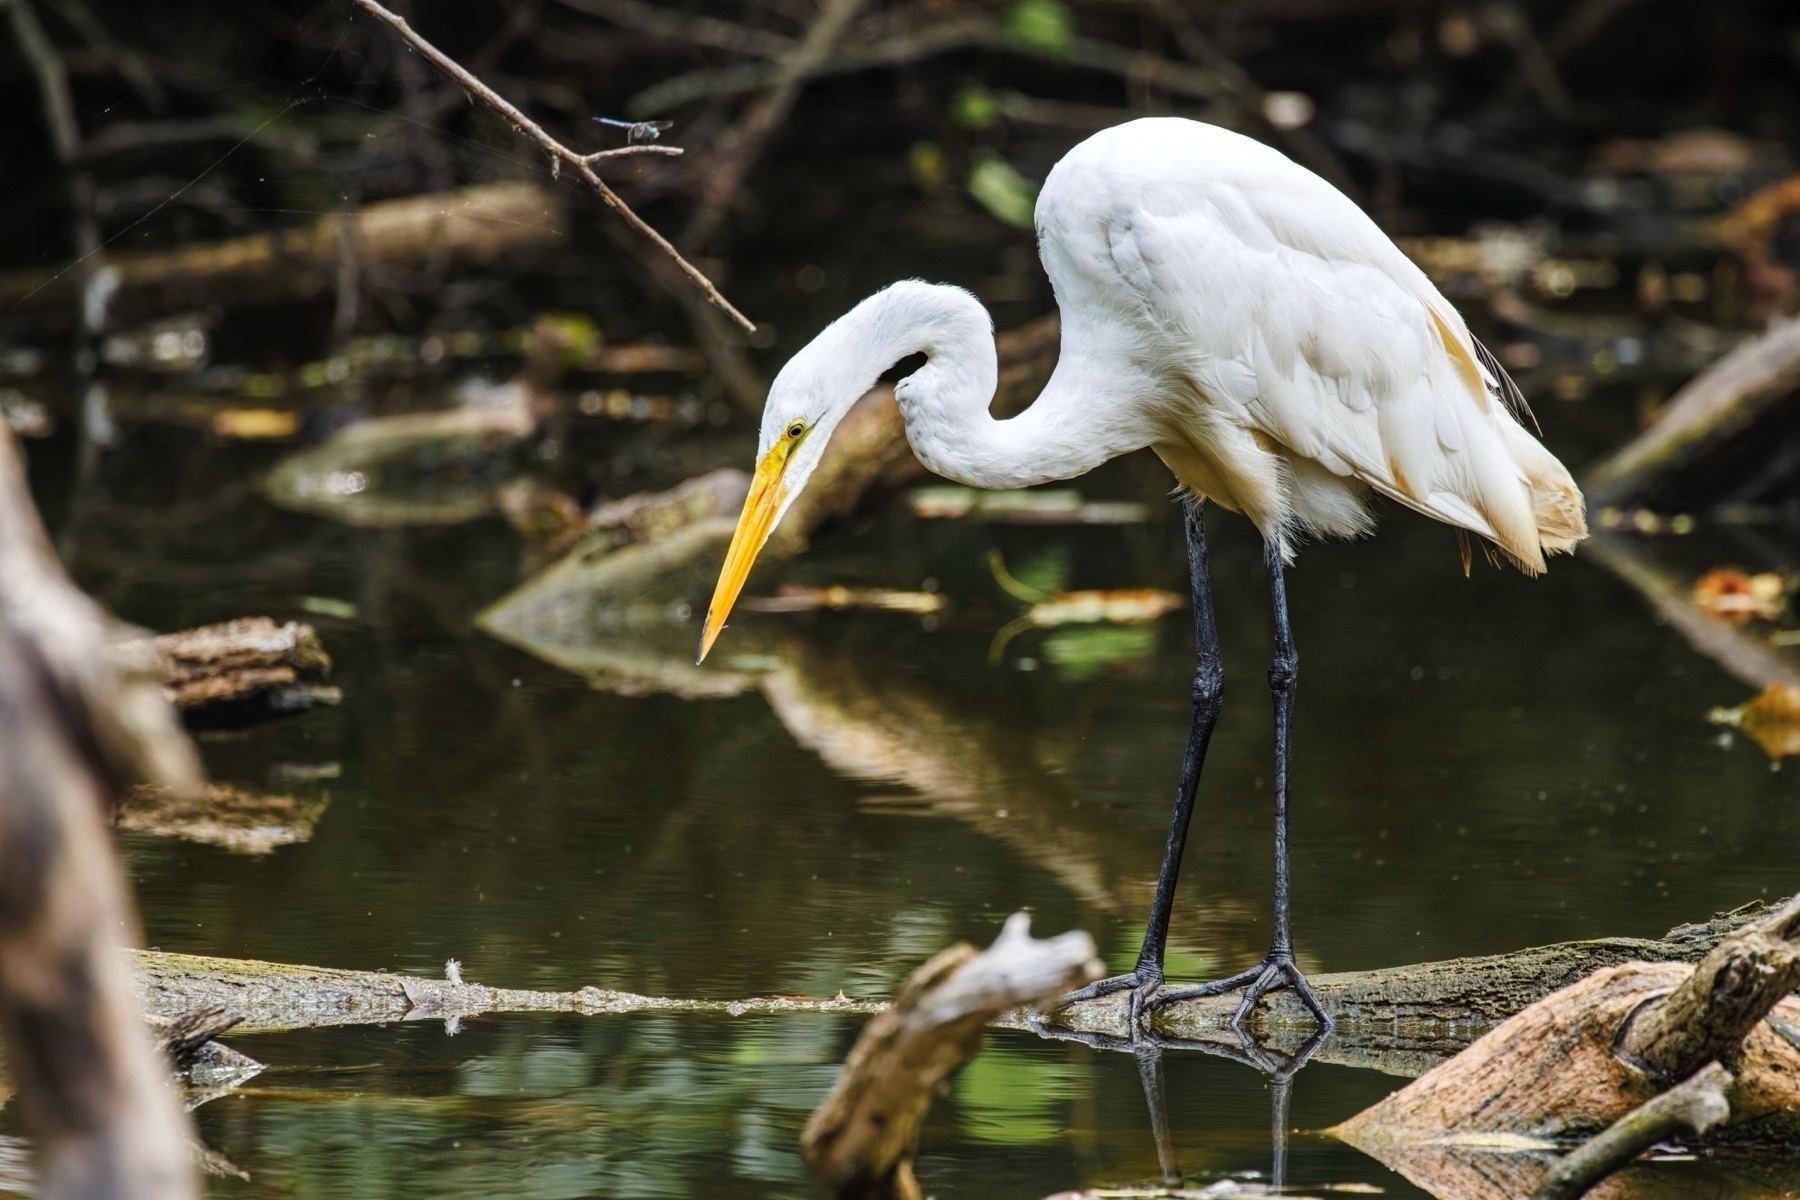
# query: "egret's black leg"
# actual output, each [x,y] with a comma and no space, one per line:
[1278,970]
[1209,681]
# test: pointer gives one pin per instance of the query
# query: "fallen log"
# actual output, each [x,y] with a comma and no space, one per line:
[242,668]
[1584,1057]
[862,1138]
[1402,1020]
[474,225]
[268,997]
[1679,455]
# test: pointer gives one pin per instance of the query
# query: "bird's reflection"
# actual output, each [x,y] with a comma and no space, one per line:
[1276,1067]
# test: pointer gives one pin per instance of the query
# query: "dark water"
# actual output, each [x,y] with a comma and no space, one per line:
[1480,765]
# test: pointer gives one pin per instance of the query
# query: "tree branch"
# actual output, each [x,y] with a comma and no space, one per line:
[559,153]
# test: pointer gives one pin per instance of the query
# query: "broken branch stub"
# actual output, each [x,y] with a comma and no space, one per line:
[1707,1015]
[861,1140]
[235,665]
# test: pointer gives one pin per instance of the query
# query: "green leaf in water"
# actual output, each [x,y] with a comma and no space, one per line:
[974,108]
[1046,25]
[1001,190]
[1011,1098]
[1083,651]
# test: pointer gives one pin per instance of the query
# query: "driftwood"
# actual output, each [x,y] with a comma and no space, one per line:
[266,997]
[862,1137]
[1716,406]
[1589,1054]
[73,728]
[473,225]
[239,667]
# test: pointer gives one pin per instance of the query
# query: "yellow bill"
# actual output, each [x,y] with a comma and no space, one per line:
[754,525]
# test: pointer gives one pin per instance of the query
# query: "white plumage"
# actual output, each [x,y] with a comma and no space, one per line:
[1223,306]
[1241,317]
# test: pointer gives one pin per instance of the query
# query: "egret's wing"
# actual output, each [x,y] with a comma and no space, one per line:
[1291,307]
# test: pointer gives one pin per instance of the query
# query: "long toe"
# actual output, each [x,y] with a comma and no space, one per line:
[1129,981]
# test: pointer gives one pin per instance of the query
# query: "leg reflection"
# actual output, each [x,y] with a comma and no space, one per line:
[1277,1067]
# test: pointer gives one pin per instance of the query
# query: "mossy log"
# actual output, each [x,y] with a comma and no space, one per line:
[1402,1020]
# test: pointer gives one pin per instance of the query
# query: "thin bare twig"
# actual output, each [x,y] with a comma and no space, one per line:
[559,153]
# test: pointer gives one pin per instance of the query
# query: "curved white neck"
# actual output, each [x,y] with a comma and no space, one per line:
[1071,428]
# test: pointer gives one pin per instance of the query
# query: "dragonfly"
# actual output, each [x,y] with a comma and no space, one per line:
[638,133]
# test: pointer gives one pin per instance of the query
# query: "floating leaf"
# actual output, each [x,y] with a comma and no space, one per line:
[1771,718]
[1005,193]
[1045,25]
[792,597]
[1734,596]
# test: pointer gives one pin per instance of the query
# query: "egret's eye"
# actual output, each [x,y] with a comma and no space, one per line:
[796,429]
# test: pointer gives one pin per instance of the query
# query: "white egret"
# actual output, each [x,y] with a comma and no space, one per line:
[1242,318]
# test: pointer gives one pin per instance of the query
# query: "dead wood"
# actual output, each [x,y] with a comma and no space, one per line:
[1580,1060]
[472,225]
[232,818]
[73,729]
[862,1137]
[238,666]
[274,996]
[560,154]
[1715,406]
[1731,990]
[1691,1107]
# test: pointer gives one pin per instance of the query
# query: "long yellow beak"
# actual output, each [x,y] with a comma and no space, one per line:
[754,525]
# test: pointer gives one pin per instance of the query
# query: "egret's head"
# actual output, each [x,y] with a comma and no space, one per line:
[806,402]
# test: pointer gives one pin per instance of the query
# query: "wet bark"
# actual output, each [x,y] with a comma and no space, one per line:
[862,1138]
[236,665]
[1585,1057]
[72,729]
[1692,1107]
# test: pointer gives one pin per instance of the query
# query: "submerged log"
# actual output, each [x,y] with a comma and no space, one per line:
[73,729]
[1586,1056]
[242,667]
[473,225]
[862,1138]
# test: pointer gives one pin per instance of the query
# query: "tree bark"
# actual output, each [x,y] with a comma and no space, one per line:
[72,730]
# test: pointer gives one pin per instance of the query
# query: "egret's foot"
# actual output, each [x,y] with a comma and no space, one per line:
[1142,981]
[1270,975]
